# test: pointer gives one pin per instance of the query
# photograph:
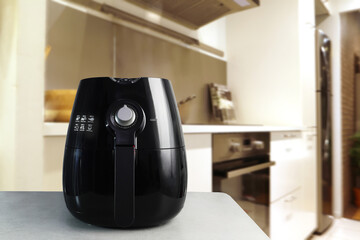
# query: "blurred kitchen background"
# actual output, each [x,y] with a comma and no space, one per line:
[240,68]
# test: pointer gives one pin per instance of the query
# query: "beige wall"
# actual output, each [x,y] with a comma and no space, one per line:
[22,84]
[8,40]
[263,63]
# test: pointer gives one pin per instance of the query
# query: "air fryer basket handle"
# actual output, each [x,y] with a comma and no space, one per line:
[124,186]
[125,140]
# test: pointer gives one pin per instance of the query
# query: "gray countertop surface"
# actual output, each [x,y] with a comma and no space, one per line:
[43,215]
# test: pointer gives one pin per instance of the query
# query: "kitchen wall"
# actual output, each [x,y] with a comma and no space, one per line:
[263,63]
[124,52]
[8,40]
[29,160]
[71,33]
[214,34]
[22,153]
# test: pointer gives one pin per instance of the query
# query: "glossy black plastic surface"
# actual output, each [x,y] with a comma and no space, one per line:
[155,96]
[97,179]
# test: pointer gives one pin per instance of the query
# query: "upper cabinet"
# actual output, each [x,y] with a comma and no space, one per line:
[321,10]
[195,13]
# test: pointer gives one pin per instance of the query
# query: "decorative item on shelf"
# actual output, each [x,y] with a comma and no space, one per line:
[58,104]
[222,104]
[355,159]
[184,106]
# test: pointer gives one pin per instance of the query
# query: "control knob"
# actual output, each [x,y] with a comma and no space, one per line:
[125,116]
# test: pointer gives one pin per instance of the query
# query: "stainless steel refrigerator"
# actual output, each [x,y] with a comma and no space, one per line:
[324,133]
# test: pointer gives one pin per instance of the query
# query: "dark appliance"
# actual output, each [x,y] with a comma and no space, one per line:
[324,98]
[124,163]
[241,165]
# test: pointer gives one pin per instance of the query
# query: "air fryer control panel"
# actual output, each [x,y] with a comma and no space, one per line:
[84,123]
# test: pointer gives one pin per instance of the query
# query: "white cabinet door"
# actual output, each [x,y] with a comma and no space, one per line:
[285,218]
[286,150]
[199,162]
[308,206]
[293,185]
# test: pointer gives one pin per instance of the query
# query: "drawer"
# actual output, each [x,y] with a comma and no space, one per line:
[286,145]
[285,176]
[279,136]
[287,151]
[285,217]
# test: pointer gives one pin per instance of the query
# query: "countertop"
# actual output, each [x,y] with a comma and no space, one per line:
[60,129]
[43,215]
[193,129]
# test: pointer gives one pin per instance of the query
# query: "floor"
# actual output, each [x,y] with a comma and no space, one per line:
[341,229]
[352,212]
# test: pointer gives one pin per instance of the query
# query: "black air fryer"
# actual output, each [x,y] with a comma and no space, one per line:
[125,163]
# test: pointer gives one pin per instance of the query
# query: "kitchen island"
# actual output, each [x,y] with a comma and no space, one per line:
[43,215]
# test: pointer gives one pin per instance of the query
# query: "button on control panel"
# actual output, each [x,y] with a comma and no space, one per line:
[125,80]
[84,123]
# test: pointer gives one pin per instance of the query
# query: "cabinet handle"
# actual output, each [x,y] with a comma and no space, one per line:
[242,171]
[292,135]
[288,217]
[290,199]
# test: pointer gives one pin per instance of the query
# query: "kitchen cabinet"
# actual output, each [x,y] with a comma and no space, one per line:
[293,184]
[198,154]
[289,219]
[199,163]
[285,217]
[309,178]
[194,14]
[321,11]
[286,152]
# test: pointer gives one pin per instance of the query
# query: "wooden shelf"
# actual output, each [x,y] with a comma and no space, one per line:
[321,11]
[321,8]
[195,14]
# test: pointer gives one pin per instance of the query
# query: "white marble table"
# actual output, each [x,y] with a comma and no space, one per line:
[43,215]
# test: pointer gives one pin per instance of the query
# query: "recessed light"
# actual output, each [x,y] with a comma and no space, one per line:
[242,3]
